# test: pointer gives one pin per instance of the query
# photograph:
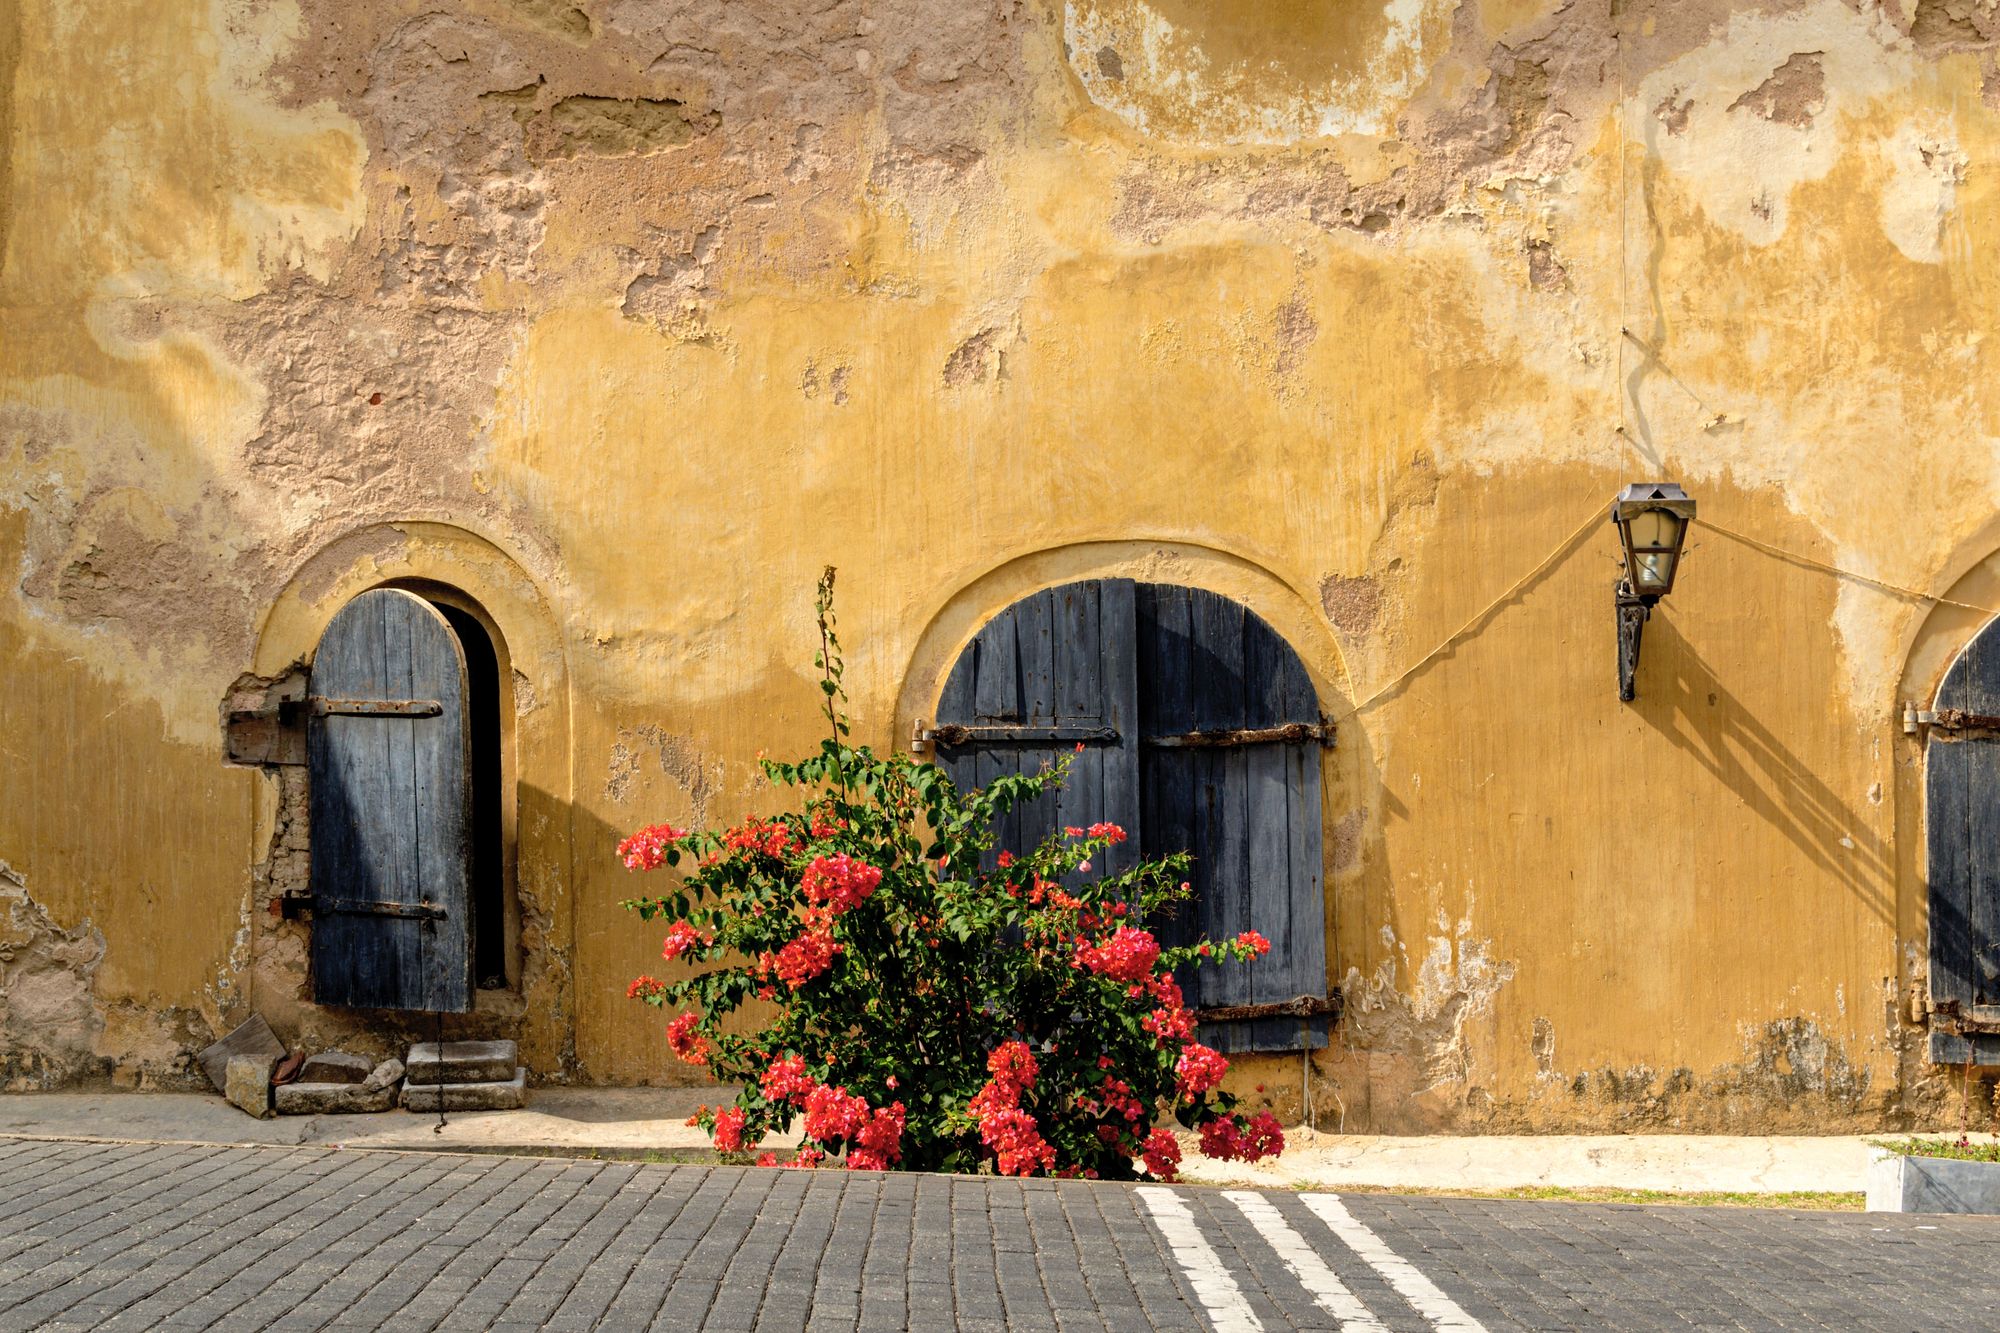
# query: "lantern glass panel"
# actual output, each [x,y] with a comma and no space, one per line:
[1652,571]
[1654,539]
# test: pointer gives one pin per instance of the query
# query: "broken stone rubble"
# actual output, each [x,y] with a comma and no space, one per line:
[336,1067]
[463,1076]
[336,1098]
[247,1082]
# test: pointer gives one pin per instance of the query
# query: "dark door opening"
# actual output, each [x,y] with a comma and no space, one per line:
[486,871]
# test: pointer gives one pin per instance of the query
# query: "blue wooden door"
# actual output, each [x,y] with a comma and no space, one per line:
[1230,770]
[1202,734]
[390,775]
[1962,833]
[1051,672]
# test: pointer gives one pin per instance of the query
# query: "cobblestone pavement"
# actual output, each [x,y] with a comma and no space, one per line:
[96,1235]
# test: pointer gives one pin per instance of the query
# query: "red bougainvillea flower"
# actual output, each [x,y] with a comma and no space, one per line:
[729,1130]
[1107,830]
[806,1158]
[1012,1133]
[1225,1140]
[1129,955]
[832,1114]
[839,882]
[1013,1063]
[1005,859]
[883,1134]
[1072,831]
[1263,1137]
[681,936]
[1018,1147]
[647,849]
[685,1042]
[787,1080]
[804,958]
[1162,1155]
[759,835]
[767,1159]
[1199,1069]
[825,825]
[1169,1024]
[861,1159]
[643,988]
[1255,943]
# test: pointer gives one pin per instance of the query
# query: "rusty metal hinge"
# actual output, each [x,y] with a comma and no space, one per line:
[321,706]
[1299,1006]
[1948,719]
[371,907]
[1289,733]
[952,735]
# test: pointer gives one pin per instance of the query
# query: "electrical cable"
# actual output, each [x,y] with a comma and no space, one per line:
[1795,557]
[1597,515]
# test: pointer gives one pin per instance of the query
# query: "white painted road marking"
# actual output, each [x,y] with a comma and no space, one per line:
[1400,1273]
[1321,1282]
[1212,1284]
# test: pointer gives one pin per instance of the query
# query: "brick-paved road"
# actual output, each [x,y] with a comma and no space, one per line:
[136,1236]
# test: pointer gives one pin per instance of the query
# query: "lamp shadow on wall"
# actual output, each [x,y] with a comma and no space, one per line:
[1682,699]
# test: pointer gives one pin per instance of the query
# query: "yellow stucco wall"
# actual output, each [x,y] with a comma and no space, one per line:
[625,320]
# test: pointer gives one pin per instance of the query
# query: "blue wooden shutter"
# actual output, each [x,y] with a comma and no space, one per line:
[390,809]
[1249,813]
[1962,834]
[1050,671]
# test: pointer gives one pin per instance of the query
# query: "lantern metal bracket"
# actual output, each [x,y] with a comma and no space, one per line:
[1633,613]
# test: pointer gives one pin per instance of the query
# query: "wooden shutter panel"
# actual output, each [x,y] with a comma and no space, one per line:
[1962,836]
[390,809]
[1249,813]
[1051,669]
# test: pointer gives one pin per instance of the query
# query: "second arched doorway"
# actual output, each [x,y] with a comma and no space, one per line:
[1200,732]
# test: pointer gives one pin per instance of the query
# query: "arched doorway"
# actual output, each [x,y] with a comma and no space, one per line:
[407,745]
[1201,732]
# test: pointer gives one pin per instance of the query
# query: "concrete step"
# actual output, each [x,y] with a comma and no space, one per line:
[462,1062]
[505,1095]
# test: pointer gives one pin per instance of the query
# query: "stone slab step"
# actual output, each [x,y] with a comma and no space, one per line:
[505,1095]
[462,1062]
[335,1067]
[332,1098]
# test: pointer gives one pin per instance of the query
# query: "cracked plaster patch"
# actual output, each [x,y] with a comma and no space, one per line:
[1201,73]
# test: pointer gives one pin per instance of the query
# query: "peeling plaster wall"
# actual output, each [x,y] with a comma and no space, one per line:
[624,319]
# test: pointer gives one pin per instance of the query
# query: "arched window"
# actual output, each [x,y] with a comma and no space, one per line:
[1201,733]
[1962,836]
[405,742]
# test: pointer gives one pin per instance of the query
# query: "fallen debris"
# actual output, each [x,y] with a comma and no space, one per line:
[247,1082]
[253,1036]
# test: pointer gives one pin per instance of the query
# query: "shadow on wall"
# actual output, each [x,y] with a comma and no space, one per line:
[1682,698]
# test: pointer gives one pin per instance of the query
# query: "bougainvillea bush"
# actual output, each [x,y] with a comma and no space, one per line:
[853,967]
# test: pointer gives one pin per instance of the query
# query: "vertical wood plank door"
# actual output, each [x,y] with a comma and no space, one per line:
[1962,837]
[1248,813]
[391,810]
[1156,663]
[1059,660]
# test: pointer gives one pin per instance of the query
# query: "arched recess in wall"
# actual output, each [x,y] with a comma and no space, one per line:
[1201,730]
[1948,819]
[518,697]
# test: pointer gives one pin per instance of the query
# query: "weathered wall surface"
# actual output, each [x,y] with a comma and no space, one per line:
[624,318]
